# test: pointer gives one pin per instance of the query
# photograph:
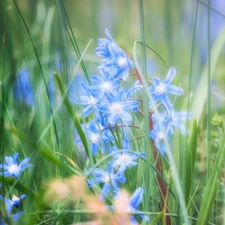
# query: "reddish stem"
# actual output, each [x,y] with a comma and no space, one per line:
[138,75]
[159,167]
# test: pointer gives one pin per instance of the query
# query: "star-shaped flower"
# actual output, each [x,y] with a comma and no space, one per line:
[118,107]
[115,61]
[12,168]
[159,90]
[109,178]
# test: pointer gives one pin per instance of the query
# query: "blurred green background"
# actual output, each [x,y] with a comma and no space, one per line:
[36,34]
[40,37]
[170,26]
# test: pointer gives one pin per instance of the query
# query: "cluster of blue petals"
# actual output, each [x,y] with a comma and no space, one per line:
[110,109]
[12,168]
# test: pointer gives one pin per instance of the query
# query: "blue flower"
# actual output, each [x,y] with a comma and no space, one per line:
[115,60]
[94,137]
[134,203]
[109,178]
[12,168]
[124,159]
[90,102]
[117,108]
[135,88]
[17,215]
[172,119]
[159,89]
[118,64]
[131,206]
[15,202]
[159,136]
[103,85]
[103,43]
[22,89]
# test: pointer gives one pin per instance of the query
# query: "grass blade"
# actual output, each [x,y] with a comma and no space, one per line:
[72,114]
[190,161]
[200,96]
[211,188]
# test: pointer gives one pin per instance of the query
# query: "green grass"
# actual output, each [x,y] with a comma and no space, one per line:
[41,35]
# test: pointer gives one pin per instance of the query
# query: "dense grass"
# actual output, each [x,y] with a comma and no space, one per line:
[53,43]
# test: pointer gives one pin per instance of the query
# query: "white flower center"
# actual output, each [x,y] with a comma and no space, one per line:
[122,62]
[14,198]
[92,101]
[124,159]
[160,89]
[13,168]
[160,135]
[94,138]
[116,107]
[106,86]
[106,178]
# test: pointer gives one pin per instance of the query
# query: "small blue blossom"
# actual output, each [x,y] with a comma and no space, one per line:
[173,119]
[159,136]
[97,134]
[15,202]
[103,43]
[115,59]
[132,206]
[135,88]
[109,178]
[134,203]
[159,89]
[125,159]
[22,89]
[16,215]
[117,108]
[12,168]
[103,85]
[94,137]
[90,102]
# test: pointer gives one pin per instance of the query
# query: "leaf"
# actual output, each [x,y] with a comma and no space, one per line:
[200,96]
[19,186]
[211,187]
[73,115]
[69,160]
[52,158]
[192,146]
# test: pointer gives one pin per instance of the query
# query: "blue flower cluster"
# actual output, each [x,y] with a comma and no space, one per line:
[112,109]
[109,106]
[12,168]
[164,123]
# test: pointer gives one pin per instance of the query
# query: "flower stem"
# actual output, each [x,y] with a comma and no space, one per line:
[161,183]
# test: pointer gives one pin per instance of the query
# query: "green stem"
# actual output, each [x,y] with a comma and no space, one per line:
[73,116]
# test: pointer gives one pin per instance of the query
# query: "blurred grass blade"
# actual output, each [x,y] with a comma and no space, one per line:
[192,146]
[24,189]
[156,53]
[211,187]
[200,96]
[41,69]
[65,19]
[72,114]
[50,157]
